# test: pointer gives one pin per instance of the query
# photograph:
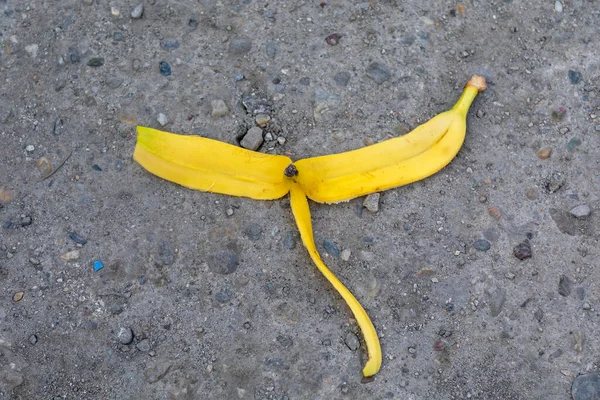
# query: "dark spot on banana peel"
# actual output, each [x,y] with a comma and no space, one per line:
[290,171]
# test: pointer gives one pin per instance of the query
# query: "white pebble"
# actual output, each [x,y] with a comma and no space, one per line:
[32,50]
[162,119]
[137,11]
[30,148]
[558,7]
[281,140]
[115,11]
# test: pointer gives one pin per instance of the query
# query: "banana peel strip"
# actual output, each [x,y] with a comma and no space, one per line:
[213,166]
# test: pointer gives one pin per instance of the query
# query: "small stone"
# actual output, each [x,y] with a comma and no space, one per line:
[26,220]
[253,139]
[586,306]
[223,262]
[32,50]
[378,72]
[271,48]
[58,125]
[162,119]
[253,231]
[345,255]
[290,240]
[285,341]
[574,76]
[239,77]
[143,345]
[586,387]
[30,148]
[558,7]
[95,62]
[538,314]
[522,250]
[44,166]
[164,68]
[482,245]
[17,297]
[479,113]
[229,212]
[218,108]
[510,275]
[34,261]
[531,193]
[495,212]
[565,286]
[156,372]
[70,255]
[281,140]
[575,142]
[331,248]
[209,368]
[352,341]
[333,39]
[33,339]
[138,11]
[74,55]
[342,78]
[496,301]
[268,136]
[581,211]
[553,356]
[262,119]
[564,130]
[74,236]
[544,153]
[125,335]
[170,44]
[482,198]
[371,202]
[554,183]
[240,46]
[114,11]
[114,82]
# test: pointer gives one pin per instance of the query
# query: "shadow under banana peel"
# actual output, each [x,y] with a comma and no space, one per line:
[212,166]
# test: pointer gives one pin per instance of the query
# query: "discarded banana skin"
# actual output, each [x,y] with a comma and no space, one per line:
[212,166]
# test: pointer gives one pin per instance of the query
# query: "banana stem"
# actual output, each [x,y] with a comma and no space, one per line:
[474,86]
[301,213]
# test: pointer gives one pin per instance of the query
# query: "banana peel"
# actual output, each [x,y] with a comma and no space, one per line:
[216,167]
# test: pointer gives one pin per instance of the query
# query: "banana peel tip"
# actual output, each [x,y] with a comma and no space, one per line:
[478,82]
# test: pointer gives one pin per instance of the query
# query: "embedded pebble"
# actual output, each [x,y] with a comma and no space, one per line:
[143,345]
[240,46]
[544,153]
[285,341]
[581,211]
[333,39]
[58,125]
[290,240]
[378,72]
[352,341]
[18,296]
[522,250]
[32,50]
[531,193]
[331,248]
[33,339]
[496,301]
[565,286]
[115,11]
[125,335]
[271,48]
[95,62]
[170,44]
[74,236]
[342,78]
[70,255]
[281,140]
[345,255]
[574,76]
[262,119]
[495,212]
[253,139]
[223,262]
[44,166]
[586,387]
[30,148]
[218,108]
[479,113]
[138,11]
[557,6]
[164,68]
[229,212]
[371,202]
[482,245]
[253,231]
[162,119]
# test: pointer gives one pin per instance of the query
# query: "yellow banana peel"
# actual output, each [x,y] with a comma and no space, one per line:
[212,166]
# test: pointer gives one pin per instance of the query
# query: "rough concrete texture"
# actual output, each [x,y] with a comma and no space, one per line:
[203,296]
